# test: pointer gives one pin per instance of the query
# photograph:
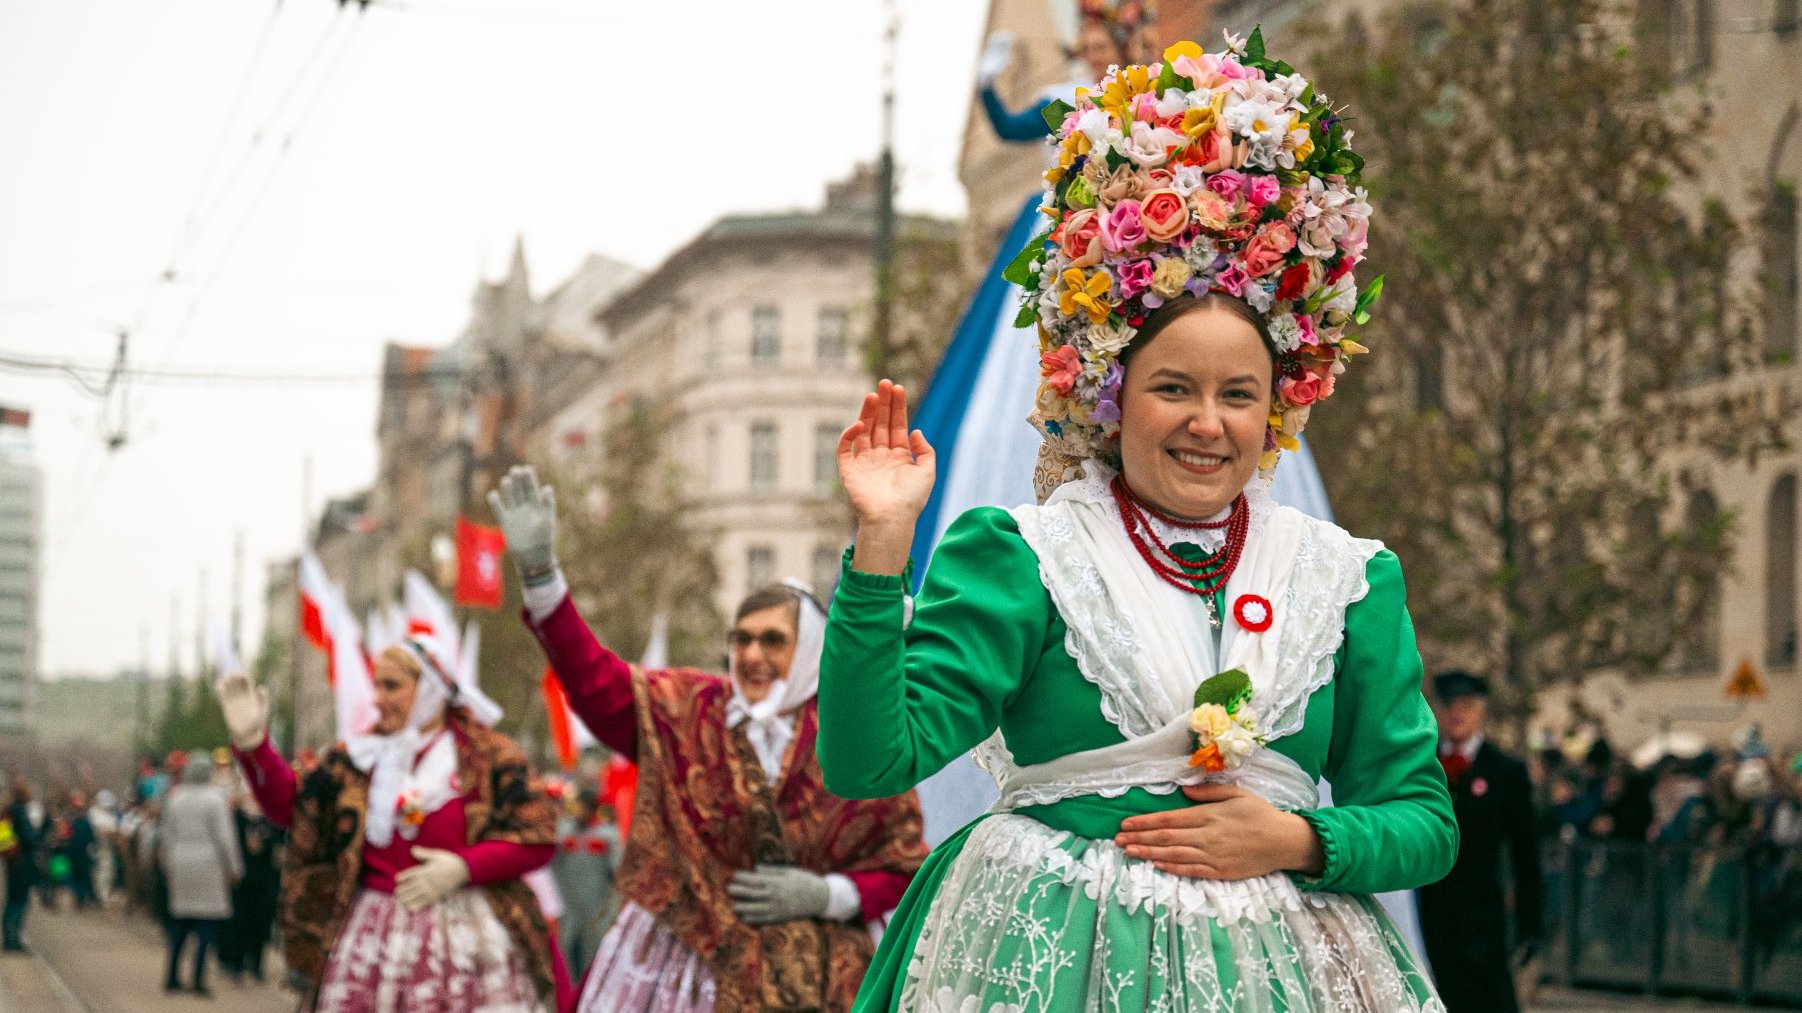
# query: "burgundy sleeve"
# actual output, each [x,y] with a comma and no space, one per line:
[499,861]
[880,891]
[597,682]
[271,781]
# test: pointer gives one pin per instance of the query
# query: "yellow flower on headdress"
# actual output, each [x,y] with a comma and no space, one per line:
[1204,119]
[1126,85]
[1088,293]
[1180,50]
[1076,144]
[1305,146]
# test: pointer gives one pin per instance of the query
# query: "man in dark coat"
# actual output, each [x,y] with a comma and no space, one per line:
[21,865]
[1463,917]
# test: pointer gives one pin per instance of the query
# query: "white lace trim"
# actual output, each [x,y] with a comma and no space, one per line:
[1107,638]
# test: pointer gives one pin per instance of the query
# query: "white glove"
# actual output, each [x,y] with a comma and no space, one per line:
[438,874]
[778,893]
[246,709]
[996,55]
[528,515]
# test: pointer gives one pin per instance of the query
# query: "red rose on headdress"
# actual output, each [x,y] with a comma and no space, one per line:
[1294,282]
[1165,214]
[1081,238]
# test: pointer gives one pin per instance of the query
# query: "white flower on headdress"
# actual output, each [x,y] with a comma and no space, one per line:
[1325,214]
[1201,255]
[1290,86]
[1099,127]
[1149,146]
[1187,179]
[1259,296]
[1285,332]
[1175,102]
[1342,300]
[1110,338]
[1264,124]
[1236,744]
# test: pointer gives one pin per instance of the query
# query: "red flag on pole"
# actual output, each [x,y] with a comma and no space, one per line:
[479,550]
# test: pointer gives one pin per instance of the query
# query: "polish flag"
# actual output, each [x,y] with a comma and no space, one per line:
[427,612]
[329,625]
[479,551]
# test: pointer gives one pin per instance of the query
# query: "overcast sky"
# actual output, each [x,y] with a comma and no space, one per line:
[375,167]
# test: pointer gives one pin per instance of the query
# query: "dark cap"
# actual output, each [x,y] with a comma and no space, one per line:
[1454,683]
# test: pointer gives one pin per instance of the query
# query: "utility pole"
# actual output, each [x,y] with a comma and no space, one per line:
[295,643]
[237,609]
[882,338]
[141,717]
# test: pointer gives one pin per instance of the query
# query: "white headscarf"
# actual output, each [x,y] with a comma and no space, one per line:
[388,759]
[770,723]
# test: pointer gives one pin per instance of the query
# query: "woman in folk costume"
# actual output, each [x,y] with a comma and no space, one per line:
[1158,663]
[746,884]
[402,887]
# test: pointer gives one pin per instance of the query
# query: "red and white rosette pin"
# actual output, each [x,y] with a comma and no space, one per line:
[1253,613]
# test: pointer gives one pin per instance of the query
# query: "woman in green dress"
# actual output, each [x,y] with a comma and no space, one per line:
[1158,663]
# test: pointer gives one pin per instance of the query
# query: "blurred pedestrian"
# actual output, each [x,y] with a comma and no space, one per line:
[21,864]
[588,847]
[1464,915]
[81,849]
[198,848]
[257,896]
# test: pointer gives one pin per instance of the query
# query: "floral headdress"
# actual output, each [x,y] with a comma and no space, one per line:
[1221,172]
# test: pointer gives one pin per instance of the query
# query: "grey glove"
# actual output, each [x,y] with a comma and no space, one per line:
[769,894]
[246,709]
[528,515]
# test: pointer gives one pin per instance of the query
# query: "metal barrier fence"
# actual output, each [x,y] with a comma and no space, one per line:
[1676,919]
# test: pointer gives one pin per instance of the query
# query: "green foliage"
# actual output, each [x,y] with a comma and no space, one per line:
[1229,689]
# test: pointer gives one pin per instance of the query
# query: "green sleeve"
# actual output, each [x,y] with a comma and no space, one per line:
[896,706]
[1390,826]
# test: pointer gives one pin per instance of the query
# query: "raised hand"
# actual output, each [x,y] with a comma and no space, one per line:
[527,512]
[888,473]
[246,709]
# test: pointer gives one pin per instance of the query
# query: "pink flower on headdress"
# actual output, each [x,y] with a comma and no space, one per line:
[1123,230]
[1165,214]
[1232,280]
[1228,184]
[1061,367]
[1305,322]
[1135,277]
[1261,190]
[1266,250]
[1299,392]
[1212,212]
[1081,238]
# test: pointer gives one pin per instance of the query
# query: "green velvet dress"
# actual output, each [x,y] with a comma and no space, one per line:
[1033,907]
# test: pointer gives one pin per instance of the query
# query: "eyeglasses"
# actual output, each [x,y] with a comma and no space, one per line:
[769,640]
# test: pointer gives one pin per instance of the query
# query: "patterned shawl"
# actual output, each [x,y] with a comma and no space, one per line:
[325,850]
[705,811]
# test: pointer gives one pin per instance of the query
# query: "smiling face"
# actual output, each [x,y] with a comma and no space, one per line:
[1096,48]
[1194,407]
[763,647]
[395,683]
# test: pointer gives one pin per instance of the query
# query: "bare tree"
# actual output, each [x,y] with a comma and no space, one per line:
[1560,315]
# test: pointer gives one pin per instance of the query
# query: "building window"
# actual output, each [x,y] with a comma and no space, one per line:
[1780,574]
[825,571]
[1782,280]
[834,327]
[1700,643]
[825,459]
[763,457]
[760,567]
[1678,34]
[766,336]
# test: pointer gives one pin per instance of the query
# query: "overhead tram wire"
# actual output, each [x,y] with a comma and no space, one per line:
[248,213]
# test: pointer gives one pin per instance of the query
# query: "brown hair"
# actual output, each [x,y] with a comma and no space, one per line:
[772,596]
[401,655]
[1174,310]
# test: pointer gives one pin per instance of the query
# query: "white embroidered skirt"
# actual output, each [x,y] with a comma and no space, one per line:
[642,967]
[1035,919]
[452,957]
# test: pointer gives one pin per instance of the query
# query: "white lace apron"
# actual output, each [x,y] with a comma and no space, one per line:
[1030,918]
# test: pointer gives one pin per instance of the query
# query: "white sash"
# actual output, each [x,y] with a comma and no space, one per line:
[1146,645]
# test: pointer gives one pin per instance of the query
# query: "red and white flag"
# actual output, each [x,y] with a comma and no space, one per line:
[328,623]
[427,612]
[479,551]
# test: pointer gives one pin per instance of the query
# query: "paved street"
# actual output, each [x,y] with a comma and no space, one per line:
[103,962]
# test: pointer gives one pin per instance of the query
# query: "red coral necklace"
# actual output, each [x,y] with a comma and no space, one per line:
[1205,576]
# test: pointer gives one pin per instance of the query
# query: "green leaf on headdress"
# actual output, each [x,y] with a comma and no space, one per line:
[1019,270]
[1028,315]
[1230,689]
[1078,194]
[1281,69]
[1054,114]
[1169,79]
[1254,46]
[1367,299]
[1307,101]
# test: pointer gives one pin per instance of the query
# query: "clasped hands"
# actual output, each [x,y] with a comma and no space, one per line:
[1228,834]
